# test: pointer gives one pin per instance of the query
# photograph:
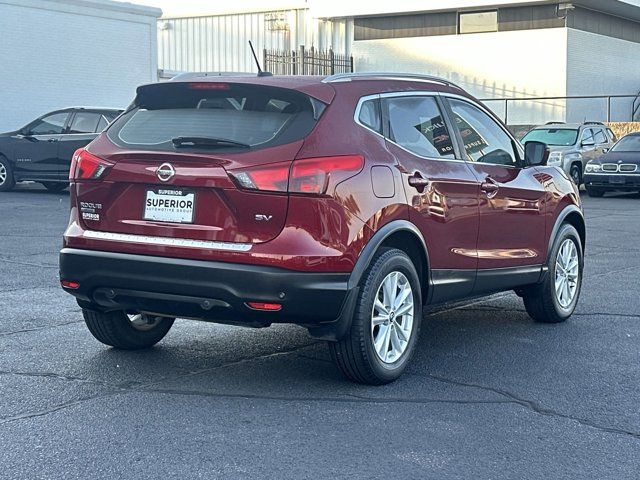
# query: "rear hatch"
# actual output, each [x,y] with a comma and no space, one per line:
[200,161]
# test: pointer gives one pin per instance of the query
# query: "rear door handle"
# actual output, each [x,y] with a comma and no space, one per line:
[490,187]
[417,182]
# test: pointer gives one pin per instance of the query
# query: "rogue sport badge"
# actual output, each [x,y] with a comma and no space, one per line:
[165,172]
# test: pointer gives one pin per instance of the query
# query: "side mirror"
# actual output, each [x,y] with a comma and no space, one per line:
[605,149]
[535,153]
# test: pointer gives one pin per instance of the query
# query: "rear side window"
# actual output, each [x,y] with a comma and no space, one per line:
[416,124]
[252,115]
[85,122]
[370,115]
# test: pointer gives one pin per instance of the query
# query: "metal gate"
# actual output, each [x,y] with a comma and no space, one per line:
[306,62]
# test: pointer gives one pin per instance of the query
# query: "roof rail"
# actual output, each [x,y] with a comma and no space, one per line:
[554,123]
[593,123]
[346,77]
[196,75]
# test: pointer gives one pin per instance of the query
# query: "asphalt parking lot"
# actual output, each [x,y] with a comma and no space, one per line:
[490,394]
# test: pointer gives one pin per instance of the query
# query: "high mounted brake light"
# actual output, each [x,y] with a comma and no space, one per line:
[86,166]
[309,175]
[208,86]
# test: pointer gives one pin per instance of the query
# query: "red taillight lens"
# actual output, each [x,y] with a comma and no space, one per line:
[271,178]
[310,175]
[86,166]
[69,284]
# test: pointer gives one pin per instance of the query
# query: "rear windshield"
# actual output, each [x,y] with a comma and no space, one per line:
[630,143]
[552,136]
[232,116]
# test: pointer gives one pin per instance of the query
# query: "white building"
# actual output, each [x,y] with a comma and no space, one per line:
[61,53]
[494,49]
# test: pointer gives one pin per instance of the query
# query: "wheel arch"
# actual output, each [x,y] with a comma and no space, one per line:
[572,215]
[400,234]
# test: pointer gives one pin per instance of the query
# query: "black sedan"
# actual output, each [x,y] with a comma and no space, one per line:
[42,150]
[616,170]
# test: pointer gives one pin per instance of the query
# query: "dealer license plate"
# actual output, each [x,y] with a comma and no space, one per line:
[175,206]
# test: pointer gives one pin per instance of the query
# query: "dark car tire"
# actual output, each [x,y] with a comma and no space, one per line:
[117,329]
[595,192]
[355,354]
[7,180]
[55,186]
[541,301]
[576,174]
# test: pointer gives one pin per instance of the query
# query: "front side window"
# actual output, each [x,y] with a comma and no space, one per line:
[50,125]
[416,124]
[484,140]
[85,122]
[587,137]
[600,137]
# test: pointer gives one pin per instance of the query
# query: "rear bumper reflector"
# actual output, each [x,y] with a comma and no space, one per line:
[167,241]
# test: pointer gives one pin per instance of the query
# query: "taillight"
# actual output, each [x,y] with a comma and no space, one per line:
[310,175]
[86,166]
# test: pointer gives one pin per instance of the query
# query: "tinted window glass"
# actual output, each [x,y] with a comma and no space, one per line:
[477,22]
[249,114]
[552,136]
[600,137]
[370,115]
[50,125]
[85,122]
[416,124]
[484,140]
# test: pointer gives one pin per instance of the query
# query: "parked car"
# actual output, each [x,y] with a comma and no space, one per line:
[573,145]
[42,150]
[616,170]
[342,204]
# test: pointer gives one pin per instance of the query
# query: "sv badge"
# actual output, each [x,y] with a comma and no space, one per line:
[259,217]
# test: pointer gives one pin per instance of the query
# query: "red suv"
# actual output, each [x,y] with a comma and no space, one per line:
[343,204]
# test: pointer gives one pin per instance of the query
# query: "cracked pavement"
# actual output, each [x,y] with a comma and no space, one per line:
[489,394]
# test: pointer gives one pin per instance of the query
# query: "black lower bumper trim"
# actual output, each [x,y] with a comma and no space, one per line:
[211,291]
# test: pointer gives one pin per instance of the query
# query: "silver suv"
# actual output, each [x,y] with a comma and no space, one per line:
[572,145]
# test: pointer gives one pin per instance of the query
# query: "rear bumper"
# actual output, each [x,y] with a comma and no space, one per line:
[210,291]
[612,181]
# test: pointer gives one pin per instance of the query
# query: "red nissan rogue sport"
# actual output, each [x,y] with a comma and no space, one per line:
[344,204]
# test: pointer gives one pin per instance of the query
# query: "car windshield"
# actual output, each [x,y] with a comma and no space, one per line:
[230,116]
[630,143]
[561,137]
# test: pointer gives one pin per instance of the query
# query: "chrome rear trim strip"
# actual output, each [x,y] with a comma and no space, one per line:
[169,242]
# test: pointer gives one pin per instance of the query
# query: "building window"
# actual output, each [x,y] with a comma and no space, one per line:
[477,22]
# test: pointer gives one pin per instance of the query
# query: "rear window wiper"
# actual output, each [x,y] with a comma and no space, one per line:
[206,142]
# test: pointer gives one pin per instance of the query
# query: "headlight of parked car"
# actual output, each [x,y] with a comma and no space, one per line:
[592,168]
[555,158]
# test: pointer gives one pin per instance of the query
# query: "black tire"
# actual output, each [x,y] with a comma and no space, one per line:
[7,181]
[595,192]
[576,174]
[117,330]
[55,186]
[354,354]
[541,300]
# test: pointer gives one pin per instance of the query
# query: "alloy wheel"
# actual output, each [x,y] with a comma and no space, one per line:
[567,273]
[392,317]
[3,174]
[143,322]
